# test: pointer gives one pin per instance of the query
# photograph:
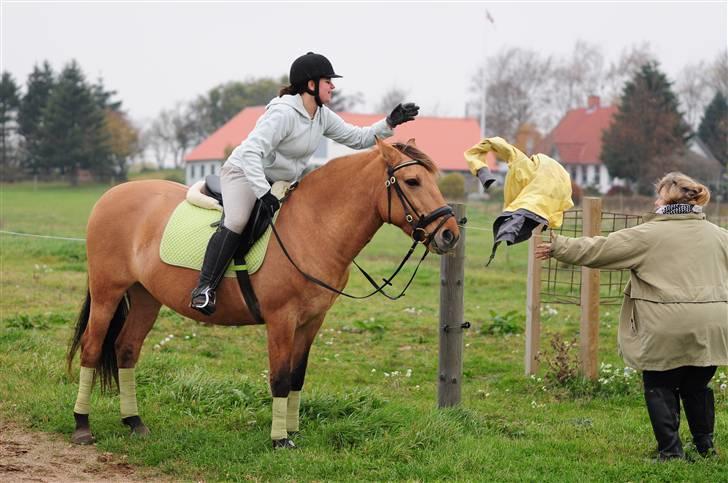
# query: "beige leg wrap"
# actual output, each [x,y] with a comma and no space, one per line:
[294,403]
[85,384]
[127,393]
[278,427]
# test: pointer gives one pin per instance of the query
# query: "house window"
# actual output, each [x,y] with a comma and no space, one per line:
[202,171]
[213,167]
[598,176]
[192,171]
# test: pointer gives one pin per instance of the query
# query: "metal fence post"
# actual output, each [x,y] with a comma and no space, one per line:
[450,361]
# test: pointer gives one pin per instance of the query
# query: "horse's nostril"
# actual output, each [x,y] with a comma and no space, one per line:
[448,236]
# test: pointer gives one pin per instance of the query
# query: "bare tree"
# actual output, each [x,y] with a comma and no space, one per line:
[630,62]
[516,92]
[694,92]
[717,75]
[172,132]
[341,102]
[576,77]
[390,99]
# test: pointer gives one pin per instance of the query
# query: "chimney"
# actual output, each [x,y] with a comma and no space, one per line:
[593,102]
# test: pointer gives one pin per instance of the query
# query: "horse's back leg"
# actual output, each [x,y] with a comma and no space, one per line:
[103,314]
[143,313]
[302,341]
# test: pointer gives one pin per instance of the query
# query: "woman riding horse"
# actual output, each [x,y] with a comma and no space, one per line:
[350,196]
[279,149]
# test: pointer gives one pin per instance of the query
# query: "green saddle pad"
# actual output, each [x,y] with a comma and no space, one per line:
[186,235]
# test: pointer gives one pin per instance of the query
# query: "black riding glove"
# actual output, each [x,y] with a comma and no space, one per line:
[270,203]
[486,177]
[402,113]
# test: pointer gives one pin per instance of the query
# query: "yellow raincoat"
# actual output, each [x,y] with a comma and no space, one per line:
[538,184]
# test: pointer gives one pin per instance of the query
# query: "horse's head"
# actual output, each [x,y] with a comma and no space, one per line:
[412,200]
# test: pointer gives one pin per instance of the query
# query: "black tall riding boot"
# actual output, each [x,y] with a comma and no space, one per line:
[663,406]
[220,250]
[700,412]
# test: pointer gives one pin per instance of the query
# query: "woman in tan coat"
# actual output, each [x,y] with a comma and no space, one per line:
[674,319]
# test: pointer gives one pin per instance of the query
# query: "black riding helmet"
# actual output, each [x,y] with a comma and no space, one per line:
[311,67]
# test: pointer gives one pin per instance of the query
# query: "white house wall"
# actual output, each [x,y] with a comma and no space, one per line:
[197,170]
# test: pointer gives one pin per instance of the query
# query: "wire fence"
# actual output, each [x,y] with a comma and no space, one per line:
[561,282]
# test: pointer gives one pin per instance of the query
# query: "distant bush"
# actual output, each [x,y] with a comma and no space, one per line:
[619,190]
[452,186]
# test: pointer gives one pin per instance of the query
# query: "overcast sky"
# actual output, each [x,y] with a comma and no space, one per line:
[155,54]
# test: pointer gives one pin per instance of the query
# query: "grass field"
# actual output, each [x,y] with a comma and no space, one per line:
[369,405]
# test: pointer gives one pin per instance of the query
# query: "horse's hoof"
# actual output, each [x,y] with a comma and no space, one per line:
[137,427]
[284,443]
[83,436]
[140,431]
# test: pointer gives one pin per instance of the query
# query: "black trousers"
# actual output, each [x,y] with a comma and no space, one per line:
[685,379]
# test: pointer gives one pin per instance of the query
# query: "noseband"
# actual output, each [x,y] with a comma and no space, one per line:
[418,222]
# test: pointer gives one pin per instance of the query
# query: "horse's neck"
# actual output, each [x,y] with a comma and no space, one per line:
[337,212]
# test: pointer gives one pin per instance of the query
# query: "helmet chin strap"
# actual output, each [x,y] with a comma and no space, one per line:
[315,92]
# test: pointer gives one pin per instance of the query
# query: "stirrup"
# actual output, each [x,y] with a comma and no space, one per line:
[203,300]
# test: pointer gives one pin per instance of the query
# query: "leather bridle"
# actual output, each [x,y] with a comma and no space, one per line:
[417,222]
[418,225]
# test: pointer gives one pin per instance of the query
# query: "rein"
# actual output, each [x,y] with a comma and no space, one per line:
[419,235]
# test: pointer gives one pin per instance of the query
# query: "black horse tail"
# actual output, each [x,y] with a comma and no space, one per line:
[107,368]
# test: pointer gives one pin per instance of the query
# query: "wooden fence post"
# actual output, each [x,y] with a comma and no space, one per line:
[450,361]
[589,324]
[533,304]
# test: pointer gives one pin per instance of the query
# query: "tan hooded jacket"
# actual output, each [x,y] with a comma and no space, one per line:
[675,309]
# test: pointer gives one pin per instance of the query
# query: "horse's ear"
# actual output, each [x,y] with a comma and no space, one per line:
[389,154]
[411,142]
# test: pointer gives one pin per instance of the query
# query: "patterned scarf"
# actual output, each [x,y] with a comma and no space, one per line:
[679,209]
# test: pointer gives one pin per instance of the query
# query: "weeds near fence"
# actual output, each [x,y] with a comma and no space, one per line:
[500,324]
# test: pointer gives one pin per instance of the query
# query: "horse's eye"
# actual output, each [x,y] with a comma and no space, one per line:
[412,182]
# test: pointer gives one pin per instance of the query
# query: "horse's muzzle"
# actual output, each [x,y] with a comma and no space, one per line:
[444,241]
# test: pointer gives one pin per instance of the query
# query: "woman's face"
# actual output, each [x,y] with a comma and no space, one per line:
[326,88]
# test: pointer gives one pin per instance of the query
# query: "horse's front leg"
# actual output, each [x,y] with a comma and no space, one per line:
[303,339]
[280,347]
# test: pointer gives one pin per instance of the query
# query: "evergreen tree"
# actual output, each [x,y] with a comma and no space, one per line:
[74,127]
[647,128]
[30,115]
[103,97]
[9,102]
[713,130]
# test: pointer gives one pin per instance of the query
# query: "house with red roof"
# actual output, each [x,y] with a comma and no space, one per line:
[444,139]
[576,142]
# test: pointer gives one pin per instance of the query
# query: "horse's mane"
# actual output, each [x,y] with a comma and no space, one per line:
[344,162]
[415,153]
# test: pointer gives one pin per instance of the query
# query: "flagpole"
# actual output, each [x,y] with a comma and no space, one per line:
[484,77]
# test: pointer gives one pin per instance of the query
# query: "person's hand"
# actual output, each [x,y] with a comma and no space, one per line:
[270,203]
[543,251]
[486,177]
[402,113]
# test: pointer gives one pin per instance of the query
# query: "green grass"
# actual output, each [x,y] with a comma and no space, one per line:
[369,405]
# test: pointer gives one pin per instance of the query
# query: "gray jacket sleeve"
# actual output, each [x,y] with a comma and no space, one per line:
[271,128]
[354,137]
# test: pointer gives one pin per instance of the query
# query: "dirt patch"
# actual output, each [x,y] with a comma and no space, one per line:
[34,456]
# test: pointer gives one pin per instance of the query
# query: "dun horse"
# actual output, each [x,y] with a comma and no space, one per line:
[324,224]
